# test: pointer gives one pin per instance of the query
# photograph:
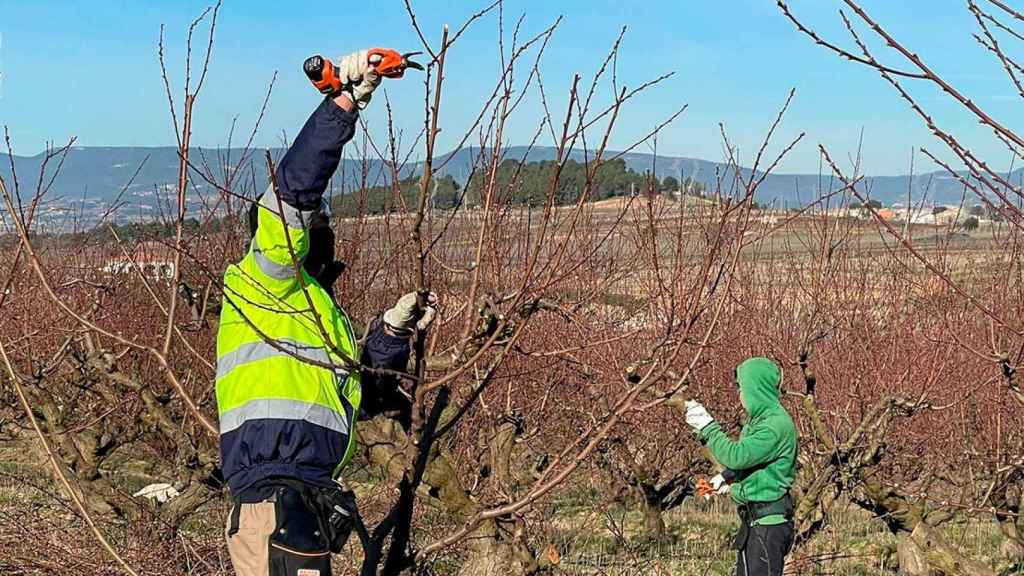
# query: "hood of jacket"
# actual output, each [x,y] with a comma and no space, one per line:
[759,380]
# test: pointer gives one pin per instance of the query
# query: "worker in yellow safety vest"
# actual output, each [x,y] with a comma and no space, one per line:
[288,365]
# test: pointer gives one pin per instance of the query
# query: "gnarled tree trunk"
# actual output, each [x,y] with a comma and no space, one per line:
[1007,502]
[910,557]
[498,546]
[654,525]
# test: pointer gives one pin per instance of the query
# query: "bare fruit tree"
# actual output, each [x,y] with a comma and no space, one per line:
[505,399]
[976,305]
[574,303]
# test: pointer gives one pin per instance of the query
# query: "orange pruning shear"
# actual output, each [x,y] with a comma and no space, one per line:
[391,63]
[704,489]
[387,62]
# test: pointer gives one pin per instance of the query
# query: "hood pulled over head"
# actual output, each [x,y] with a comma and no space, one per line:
[758,380]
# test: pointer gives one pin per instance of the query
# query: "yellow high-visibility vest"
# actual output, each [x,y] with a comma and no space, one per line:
[287,390]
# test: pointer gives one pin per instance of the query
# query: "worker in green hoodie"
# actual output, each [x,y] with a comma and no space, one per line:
[759,467]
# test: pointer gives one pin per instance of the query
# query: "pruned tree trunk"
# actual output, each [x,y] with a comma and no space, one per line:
[498,546]
[1007,502]
[92,454]
[910,557]
[924,551]
[654,524]
[1012,548]
[643,472]
[502,545]
[941,558]
[921,549]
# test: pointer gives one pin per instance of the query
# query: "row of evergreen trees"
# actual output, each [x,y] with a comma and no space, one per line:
[515,183]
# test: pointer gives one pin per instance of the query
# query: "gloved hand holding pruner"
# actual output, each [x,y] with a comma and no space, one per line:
[359,73]
[407,313]
[697,417]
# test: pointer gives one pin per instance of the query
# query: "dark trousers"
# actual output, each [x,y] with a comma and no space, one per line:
[765,549]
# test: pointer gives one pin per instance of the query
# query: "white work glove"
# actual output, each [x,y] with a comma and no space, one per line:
[697,416]
[357,74]
[161,493]
[429,312]
[404,315]
[720,485]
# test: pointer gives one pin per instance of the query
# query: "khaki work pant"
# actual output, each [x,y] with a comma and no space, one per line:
[250,546]
[254,554]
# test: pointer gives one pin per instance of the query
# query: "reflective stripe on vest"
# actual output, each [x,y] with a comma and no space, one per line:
[255,351]
[283,409]
[269,267]
[293,217]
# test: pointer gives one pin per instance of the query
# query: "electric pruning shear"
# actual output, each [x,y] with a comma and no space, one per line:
[387,62]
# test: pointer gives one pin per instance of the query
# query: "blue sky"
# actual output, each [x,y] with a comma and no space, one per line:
[88,69]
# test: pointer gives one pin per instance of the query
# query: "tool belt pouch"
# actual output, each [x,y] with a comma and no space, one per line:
[298,545]
[754,511]
[336,509]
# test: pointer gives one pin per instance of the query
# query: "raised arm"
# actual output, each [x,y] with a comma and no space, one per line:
[284,219]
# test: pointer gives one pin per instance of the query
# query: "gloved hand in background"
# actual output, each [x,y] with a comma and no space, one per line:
[356,71]
[406,313]
[721,485]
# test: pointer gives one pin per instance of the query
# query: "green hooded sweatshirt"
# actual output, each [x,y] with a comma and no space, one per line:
[764,458]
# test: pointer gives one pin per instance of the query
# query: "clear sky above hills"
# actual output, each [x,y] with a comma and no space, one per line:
[89,69]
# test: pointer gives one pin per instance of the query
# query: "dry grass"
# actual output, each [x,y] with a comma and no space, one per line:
[590,539]
[611,543]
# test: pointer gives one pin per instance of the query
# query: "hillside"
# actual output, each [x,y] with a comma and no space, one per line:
[93,177]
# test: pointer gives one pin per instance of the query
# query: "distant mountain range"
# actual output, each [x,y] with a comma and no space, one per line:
[92,177]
